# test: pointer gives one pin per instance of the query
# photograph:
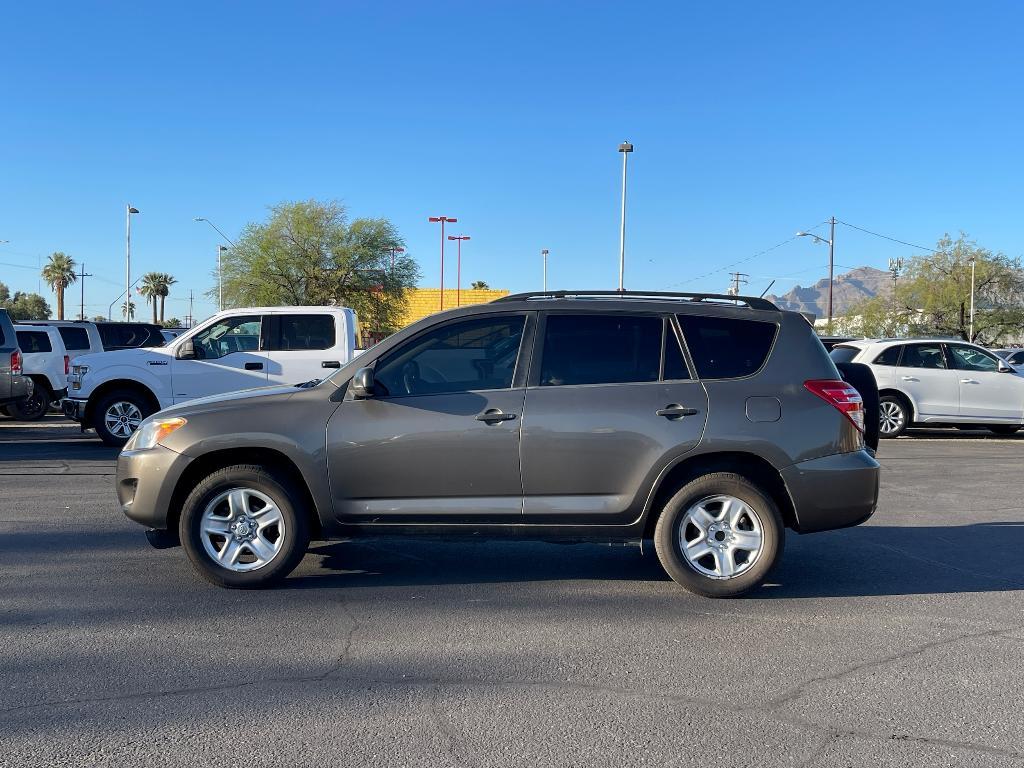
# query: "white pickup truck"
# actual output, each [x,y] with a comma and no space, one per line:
[235,349]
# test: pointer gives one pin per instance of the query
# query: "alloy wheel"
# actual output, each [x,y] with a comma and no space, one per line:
[891,417]
[242,529]
[721,537]
[122,418]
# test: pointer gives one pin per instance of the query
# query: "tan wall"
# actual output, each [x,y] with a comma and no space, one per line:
[427,301]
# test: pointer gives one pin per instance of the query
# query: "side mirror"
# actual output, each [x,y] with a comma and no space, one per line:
[362,383]
[1005,367]
[187,351]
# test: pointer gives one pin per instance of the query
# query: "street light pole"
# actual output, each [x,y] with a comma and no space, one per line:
[831,242]
[128,260]
[544,255]
[625,148]
[394,250]
[203,218]
[220,279]
[442,219]
[970,333]
[458,270]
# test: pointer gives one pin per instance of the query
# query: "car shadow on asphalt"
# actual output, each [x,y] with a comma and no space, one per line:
[855,562]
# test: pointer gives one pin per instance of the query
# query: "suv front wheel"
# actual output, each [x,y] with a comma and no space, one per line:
[241,529]
[719,536]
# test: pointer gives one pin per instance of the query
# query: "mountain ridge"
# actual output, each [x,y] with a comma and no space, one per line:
[848,289]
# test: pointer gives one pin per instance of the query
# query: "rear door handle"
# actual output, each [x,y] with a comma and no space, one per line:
[330,364]
[494,415]
[254,366]
[675,411]
[910,378]
[968,381]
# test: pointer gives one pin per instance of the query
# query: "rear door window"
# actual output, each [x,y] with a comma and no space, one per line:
[601,349]
[923,356]
[75,339]
[34,341]
[726,347]
[303,332]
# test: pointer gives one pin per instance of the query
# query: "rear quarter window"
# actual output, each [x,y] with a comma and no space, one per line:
[843,354]
[890,356]
[725,347]
[34,341]
[74,338]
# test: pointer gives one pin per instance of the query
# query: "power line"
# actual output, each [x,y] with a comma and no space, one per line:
[886,237]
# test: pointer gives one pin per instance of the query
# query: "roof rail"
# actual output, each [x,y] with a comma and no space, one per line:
[753,302]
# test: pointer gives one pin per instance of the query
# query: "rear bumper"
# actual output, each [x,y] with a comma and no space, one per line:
[21,389]
[146,481]
[833,491]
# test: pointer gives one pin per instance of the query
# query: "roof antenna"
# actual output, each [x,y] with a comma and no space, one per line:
[767,289]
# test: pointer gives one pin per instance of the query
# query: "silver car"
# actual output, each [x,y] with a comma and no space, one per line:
[706,423]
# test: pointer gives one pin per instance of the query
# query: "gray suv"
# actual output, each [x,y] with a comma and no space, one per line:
[706,423]
[15,387]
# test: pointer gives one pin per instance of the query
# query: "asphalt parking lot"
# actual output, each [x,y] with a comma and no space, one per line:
[894,643]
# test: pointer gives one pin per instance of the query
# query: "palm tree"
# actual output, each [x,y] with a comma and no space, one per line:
[128,309]
[166,281]
[150,288]
[59,273]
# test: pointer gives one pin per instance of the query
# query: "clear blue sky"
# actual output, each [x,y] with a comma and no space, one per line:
[750,121]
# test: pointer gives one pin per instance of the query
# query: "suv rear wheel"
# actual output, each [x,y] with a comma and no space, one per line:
[241,529]
[719,535]
[893,416]
[35,407]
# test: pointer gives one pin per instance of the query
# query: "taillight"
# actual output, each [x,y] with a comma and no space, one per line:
[67,365]
[16,362]
[840,396]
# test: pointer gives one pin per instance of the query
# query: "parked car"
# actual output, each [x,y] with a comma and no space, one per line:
[117,335]
[1014,357]
[79,337]
[235,349]
[706,426]
[46,362]
[939,382]
[828,342]
[170,334]
[14,386]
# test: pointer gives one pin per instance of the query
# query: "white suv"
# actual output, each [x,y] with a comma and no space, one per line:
[45,361]
[939,382]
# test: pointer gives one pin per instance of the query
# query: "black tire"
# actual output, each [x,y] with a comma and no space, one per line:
[894,416]
[109,400]
[673,518]
[1003,429]
[34,408]
[294,532]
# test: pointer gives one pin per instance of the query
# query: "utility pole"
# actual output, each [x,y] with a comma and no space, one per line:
[895,267]
[970,333]
[220,279]
[831,259]
[191,318]
[625,148]
[738,278]
[82,275]
[544,254]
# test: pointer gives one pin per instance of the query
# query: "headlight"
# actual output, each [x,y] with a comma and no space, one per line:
[152,433]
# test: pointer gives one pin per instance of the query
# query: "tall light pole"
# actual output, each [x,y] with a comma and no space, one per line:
[831,242]
[970,333]
[442,219]
[128,260]
[394,250]
[203,218]
[458,269]
[625,148]
[544,255]
[220,278]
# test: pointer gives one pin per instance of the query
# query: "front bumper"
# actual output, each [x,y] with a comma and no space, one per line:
[833,491]
[73,409]
[146,481]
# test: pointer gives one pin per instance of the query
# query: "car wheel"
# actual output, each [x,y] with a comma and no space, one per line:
[32,409]
[241,527]
[719,536]
[118,414]
[1003,429]
[893,416]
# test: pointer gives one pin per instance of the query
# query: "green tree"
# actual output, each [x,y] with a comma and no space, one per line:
[24,306]
[150,288]
[934,297]
[311,253]
[59,273]
[479,285]
[172,323]
[128,309]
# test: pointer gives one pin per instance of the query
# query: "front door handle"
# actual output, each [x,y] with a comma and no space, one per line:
[494,415]
[330,364]
[675,411]
[910,378]
[968,381]
[254,366]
